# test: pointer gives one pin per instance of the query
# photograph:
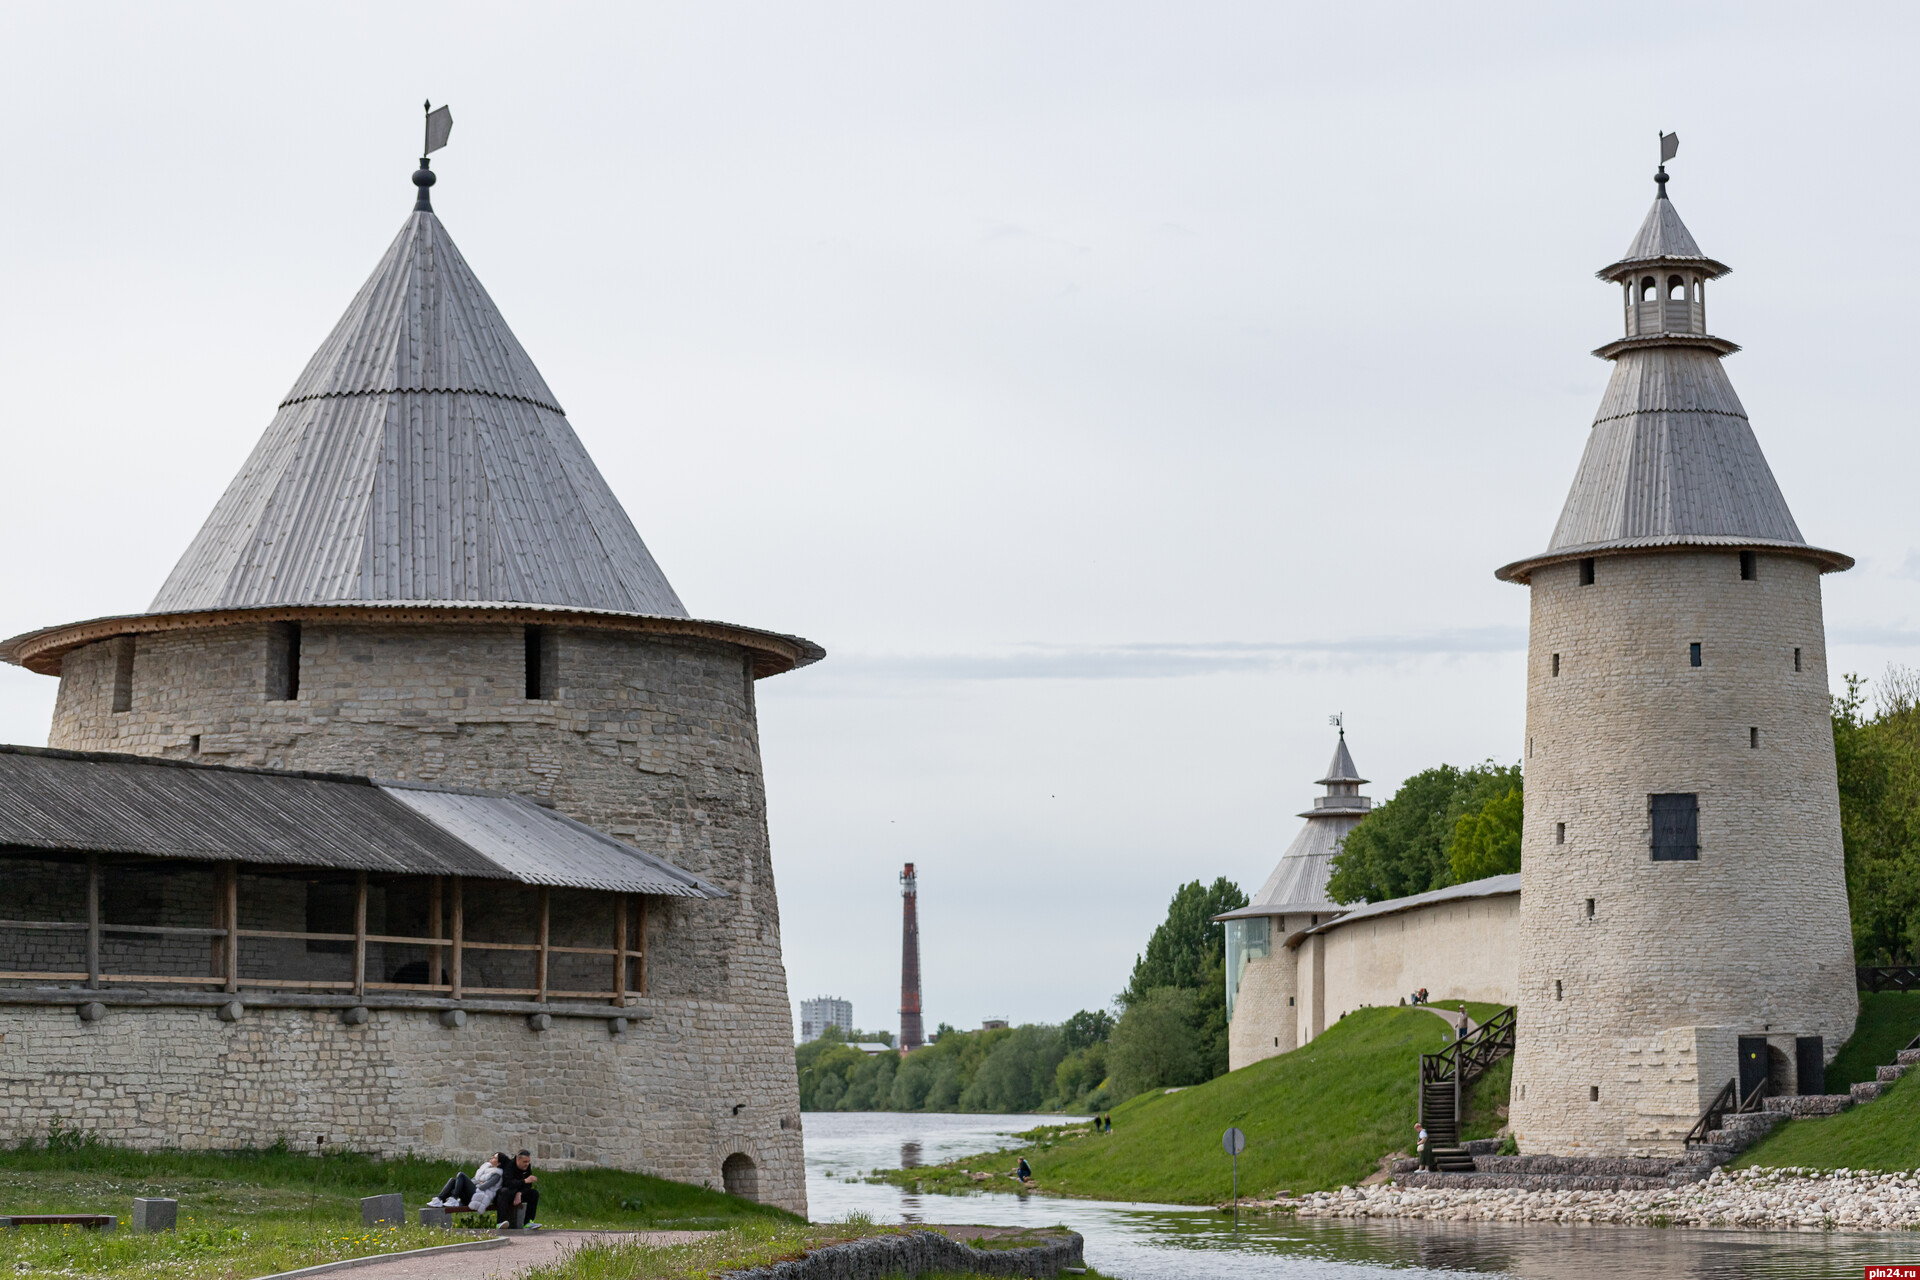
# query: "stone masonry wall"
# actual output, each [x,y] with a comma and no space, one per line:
[1263,1009]
[650,739]
[1461,950]
[1627,1012]
[574,1094]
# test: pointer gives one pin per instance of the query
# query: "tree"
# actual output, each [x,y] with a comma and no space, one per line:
[1878,756]
[1402,847]
[1486,842]
[1153,1045]
[1177,954]
[1087,1027]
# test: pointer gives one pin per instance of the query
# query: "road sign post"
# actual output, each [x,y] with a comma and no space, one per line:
[1235,1142]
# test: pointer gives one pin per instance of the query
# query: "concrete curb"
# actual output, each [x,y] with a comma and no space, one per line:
[917,1253]
[370,1259]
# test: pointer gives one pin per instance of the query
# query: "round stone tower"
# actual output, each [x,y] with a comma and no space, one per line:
[1683,906]
[420,574]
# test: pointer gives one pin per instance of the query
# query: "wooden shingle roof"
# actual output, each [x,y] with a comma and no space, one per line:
[420,458]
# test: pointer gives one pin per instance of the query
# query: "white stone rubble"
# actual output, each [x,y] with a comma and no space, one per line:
[1770,1199]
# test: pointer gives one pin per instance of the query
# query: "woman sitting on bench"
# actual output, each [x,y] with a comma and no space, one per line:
[475,1194]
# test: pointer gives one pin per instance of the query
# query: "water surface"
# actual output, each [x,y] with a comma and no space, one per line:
[1169,1242]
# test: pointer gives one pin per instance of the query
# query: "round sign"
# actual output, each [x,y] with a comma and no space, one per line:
[1234,1141]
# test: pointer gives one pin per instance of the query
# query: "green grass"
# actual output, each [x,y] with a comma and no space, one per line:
[1882,1134]
[1315,1118]
[1888,1019]
[248,1213]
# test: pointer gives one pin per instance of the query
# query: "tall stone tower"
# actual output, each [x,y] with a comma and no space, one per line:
[420,574]
[1683,906]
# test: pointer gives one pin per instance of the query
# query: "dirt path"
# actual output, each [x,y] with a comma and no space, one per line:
[519,1253]
[1451,1017]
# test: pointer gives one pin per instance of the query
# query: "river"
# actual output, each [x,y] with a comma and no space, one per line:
[1166,1242]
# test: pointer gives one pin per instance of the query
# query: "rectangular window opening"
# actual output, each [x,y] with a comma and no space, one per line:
[1675,819]
[1753,738]
[1289,1002]
[1749,564]
[1557,993]
[123,673]
[1559,833]
[283,662]
[1796,659]
[1556,664]
[1593,1093]
[1589,908]
[543,665]
[1586,572]
[1693,654]
[193,744]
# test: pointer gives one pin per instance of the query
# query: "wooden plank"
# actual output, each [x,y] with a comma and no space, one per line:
[408,986]
[359,933]
[289,933]
[93,920]
[501,991]
[37,976]
[502,946]
[643,944]
[436,964]
[232,941]
[458,920]
[540,966]
[168,978]
[44,924]
[620,948]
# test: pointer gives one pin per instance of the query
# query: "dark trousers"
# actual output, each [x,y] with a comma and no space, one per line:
[529,1196]
[459,1189]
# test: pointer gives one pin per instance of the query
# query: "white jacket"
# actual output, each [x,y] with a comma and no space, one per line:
[486,1180]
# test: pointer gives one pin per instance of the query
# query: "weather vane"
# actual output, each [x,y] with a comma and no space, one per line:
[1339,721]
[439,125]
[1669,148]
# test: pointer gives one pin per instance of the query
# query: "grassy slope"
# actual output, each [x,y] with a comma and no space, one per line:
[246,1213]
[1318,1117]
[1888,1019]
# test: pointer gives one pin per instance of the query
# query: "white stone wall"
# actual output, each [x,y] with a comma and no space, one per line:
[1264,1012]
[573,1095]
[1462,950]
[1754,936]
[651,739]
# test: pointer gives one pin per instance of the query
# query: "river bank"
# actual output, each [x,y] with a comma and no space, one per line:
[1762,1199]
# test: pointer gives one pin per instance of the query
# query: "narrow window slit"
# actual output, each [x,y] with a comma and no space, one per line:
[1753,737]
[1586,572]
[283,662]
[1559,833]
[1796,659]
[1589,908]
[1693,654]
[1558,994]
[1749,564]
[123,673]
[542,663]
[1556,664]
[1593,1093]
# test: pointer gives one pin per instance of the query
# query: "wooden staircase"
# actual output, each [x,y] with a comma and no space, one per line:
[1443,1078]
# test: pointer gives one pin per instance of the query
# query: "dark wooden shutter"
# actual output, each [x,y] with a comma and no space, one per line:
[1810,1067]
[1676,827]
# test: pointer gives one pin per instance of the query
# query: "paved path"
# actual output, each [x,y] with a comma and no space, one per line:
[1451,1016]
[519,1253]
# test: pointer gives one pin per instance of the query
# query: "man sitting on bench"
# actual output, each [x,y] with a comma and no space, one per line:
[517,1189]
[473,1195]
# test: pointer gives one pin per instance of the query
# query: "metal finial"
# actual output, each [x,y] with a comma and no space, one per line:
[424,178]
[439,125]
[1339,721]
[1669,148]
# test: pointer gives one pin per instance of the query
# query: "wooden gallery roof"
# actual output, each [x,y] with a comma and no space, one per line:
[67,803]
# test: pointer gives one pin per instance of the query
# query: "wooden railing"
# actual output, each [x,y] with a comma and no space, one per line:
[445,944]
[1467,1058]
[1727,1100]
[1889,977]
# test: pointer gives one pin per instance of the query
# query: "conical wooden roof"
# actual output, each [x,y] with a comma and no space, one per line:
[1671,459]
[419,459]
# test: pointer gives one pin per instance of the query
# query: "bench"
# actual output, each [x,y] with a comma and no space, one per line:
[91,1221]
[442,1215]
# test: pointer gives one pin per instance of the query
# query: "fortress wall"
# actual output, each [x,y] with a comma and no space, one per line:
[650,739]
[1264,1012]
[573,1095]
[1752,937]
[1462,950]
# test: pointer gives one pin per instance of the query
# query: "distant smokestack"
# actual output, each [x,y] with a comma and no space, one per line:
[911,1035]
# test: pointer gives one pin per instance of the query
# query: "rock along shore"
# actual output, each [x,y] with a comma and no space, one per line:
[1769,1199]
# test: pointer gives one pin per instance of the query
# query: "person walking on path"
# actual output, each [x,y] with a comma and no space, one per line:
[517,1188]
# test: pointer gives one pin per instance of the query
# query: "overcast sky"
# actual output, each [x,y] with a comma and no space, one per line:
[1115,391]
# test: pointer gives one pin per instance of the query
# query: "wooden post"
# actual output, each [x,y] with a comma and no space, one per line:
[436,965]
[641,930]
[93,921]
[231,954]
[360,934]
[540,978]
[620,948]
[459,921]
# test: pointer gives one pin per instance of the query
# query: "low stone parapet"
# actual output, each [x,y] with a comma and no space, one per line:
[1867,1090]
[1888,1074]
[921,1253]
[1810,1104]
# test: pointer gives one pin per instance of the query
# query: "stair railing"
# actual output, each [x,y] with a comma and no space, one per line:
[1728,1099]
[1467,1059]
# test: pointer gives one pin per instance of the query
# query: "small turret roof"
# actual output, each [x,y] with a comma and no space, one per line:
[1663,238]
[1341,770]
[420,458]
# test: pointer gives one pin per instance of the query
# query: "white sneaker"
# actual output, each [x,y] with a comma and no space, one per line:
[435,1203]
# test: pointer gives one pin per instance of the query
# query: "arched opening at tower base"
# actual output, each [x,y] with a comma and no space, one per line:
[740,1176]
